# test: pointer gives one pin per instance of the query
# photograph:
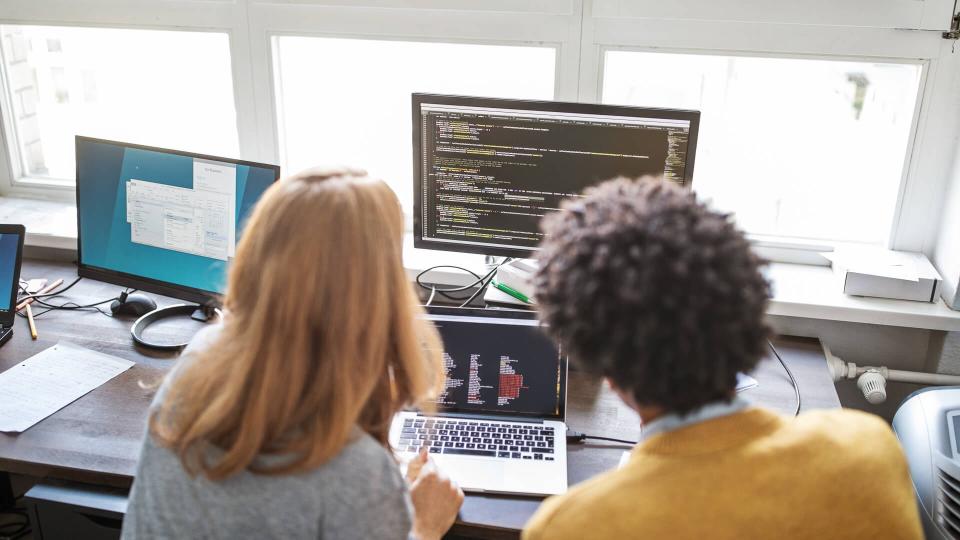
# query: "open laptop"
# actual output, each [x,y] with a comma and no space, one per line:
[11,253]
[499,424]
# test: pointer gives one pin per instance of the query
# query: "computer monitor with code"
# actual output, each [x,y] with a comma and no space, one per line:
[499,365]
[487,170]
[162,221]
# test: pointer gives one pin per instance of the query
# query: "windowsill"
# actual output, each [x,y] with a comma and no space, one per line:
[799,290]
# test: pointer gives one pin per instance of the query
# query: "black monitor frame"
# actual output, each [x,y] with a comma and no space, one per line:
[165,288]
[8,316]
[525,105]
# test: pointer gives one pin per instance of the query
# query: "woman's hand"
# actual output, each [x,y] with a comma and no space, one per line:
[436,498]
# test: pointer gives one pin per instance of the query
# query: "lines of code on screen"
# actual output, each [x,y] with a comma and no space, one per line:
[488,177]
[507,368]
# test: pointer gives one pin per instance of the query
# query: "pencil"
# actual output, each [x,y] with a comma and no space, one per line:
[33,325]
[43,291]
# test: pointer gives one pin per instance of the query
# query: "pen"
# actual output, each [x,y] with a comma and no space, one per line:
[512,292]
[33,325]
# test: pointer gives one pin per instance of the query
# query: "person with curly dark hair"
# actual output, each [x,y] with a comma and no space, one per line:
[664,298]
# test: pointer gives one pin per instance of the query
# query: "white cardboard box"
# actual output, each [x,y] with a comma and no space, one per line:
[883,273]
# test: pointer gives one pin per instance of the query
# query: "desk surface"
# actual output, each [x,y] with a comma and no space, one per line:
[96,439]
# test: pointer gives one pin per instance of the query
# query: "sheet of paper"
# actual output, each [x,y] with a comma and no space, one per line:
[50,380]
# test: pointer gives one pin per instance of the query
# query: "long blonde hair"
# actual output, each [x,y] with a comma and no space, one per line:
[322,334]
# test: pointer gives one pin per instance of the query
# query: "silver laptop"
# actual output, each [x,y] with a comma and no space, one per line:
[499,423]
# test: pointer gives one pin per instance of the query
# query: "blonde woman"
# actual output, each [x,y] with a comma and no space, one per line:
[274,424]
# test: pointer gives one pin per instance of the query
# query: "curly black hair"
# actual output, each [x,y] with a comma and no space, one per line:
[650,288]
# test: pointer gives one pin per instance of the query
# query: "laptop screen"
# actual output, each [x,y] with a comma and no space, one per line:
[11,248]
[502,366]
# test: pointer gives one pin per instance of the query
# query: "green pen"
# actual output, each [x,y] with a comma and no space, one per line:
[512,292]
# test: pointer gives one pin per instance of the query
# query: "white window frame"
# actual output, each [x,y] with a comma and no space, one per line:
[930,149]
[580,31]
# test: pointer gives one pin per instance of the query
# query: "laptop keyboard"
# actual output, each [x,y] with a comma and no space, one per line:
[469,438]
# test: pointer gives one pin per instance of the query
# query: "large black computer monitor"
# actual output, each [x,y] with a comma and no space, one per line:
[485,170]
[162,221]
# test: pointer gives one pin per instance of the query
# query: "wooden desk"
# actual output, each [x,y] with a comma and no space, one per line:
[97,438]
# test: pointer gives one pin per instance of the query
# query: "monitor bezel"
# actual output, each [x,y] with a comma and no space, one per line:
[124,279]
[530,105]
[8,316]
[495,314]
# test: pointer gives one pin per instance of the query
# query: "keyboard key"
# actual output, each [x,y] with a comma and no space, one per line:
[487,441]
[527,456]
[411,431]
[522,431]
[543,451]
[458,445]
[434,449]
[548,458]
[514,449]
[503,454]
[476,439]
[405,442]
[471,445]
[482,446]
[448,444]
[537,437]
[502,447]
[538,456]
[515,455]
[444,437]
[466,452]
[454,438]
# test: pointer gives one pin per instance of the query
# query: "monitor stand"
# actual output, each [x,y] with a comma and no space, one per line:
[203,313]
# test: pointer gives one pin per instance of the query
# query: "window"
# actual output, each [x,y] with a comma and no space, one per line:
[794,147]
[348,100]
[160,88]
[847,108]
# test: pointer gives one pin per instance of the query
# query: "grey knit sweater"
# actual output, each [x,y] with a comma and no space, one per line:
[358,494]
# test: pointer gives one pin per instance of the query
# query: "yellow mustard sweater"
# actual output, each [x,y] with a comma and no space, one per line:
[751,474]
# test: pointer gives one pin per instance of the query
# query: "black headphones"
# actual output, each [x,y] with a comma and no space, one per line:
[199,313]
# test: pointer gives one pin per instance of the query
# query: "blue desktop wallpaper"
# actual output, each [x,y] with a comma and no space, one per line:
[8,263]
[103,170]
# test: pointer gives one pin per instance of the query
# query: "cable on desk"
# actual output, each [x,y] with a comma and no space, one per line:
[488,279]
[66,306]
[482,281]
[445,292]
[576,437]
[51,293]
[15,529]
[793,380]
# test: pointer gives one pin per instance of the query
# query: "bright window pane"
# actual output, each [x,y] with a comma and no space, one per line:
[348,100]
[794,147]
[160,88]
